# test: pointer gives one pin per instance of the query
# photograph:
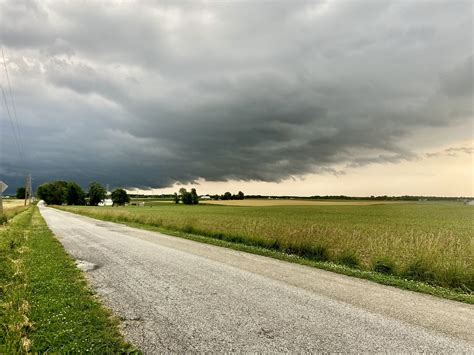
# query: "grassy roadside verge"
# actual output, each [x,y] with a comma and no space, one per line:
[45,302]
[391,280]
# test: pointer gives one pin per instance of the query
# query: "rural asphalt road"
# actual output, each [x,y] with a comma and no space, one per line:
[178,295]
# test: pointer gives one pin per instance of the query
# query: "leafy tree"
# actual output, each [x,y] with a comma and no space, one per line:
[58,192]
[43,192]
[20,193]
[120,197]
[74,194]
[240,195]
[227,196]
[194,197]
[176,198]
[186,196]
[53,193]
[97,193]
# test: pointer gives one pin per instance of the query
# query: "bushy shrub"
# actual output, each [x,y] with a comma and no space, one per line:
[315,252]
[420,272]
[318,252]
[350,259]
[384,266]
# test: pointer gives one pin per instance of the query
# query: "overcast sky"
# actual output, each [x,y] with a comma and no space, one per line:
[287,97]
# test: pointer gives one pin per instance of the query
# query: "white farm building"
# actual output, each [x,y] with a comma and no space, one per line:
[106,202]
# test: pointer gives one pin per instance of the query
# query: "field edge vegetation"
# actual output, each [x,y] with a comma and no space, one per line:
[9,213]
[46,304]
[379,275]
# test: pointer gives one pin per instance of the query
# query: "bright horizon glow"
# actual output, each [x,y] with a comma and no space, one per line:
[455,179]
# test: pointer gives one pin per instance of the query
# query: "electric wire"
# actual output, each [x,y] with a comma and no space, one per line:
[16,124]
[12,124]
[16,133]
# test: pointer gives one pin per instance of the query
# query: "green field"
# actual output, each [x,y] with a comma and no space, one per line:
[431,242]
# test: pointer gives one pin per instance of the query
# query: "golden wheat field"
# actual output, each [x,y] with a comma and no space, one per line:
[11,203]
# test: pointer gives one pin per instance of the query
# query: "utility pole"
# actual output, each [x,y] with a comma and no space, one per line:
[28,188]
[31,189]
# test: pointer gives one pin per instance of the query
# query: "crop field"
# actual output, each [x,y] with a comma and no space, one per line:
[293,202]
[152,202]
[12,203]
[11,208]
[431,242]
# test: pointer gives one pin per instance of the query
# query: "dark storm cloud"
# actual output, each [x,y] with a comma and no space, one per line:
[147,95]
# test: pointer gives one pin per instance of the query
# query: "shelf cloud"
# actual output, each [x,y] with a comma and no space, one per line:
[151,94]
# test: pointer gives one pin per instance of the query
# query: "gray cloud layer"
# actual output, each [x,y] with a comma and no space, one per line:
[147,95]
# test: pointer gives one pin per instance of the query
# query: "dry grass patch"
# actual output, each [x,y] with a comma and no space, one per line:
[12,203]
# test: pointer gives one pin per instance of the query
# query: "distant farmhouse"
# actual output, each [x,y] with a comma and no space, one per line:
[106,202]
[205,197]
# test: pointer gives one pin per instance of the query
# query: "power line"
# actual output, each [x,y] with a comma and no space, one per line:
[11,123]
[18,132]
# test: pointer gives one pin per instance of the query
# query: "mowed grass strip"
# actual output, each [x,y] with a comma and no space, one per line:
[431,243]
[45,302]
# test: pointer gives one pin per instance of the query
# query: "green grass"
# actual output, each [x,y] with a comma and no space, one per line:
[152,201]
[428,243]
[46,304]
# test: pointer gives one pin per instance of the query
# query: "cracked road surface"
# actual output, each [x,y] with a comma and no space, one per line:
[178,295]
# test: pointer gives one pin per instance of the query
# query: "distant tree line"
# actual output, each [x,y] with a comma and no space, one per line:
[61,192]
[192,198]
[365,198]
[228,196]
[386,198]
[70,193]
[187,196]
